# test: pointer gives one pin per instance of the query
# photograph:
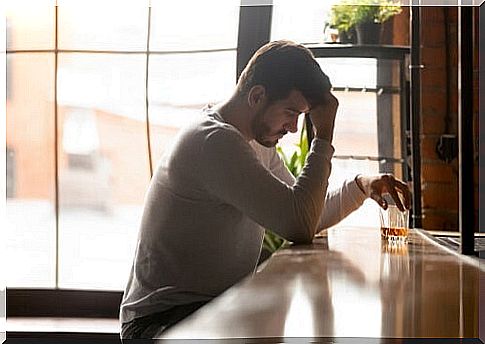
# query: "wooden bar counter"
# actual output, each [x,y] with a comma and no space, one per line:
[349,283]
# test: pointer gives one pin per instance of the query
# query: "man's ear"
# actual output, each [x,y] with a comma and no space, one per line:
[256,96]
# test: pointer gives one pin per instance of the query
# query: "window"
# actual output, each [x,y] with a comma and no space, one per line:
[301,21]
[30,25]
[136,69]
[103,165]
[30,208]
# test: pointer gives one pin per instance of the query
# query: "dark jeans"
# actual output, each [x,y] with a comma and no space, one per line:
[149,326]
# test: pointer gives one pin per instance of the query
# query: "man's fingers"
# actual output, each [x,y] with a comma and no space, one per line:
[396,198]
[378,198]
[387,184]
[403,188]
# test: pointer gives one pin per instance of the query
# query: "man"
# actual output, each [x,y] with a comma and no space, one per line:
[222,183]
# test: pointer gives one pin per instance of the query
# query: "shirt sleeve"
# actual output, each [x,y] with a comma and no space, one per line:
[230,171]
[339,203]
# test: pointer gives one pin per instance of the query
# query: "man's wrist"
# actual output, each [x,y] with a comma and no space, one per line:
[324,134]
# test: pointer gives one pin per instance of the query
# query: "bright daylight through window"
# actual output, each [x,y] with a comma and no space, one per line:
[100,103]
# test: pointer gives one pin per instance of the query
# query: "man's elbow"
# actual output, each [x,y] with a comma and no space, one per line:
[300,230]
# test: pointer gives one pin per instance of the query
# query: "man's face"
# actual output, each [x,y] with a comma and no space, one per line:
[273,121]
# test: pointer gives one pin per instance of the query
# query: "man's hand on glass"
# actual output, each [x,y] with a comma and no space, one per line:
[377,186]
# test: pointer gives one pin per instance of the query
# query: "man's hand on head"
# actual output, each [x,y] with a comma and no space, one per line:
[377,186]
[323,117]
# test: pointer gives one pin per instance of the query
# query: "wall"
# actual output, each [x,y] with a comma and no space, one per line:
[440,178]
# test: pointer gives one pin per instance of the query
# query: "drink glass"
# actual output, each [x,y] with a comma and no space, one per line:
[394,224]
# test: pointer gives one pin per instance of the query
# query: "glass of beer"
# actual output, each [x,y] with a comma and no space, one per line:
[394,224]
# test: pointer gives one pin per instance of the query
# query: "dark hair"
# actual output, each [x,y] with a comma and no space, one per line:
[283,66]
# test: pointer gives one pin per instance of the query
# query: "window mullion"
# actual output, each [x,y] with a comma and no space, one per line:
[150,162]
[56,144]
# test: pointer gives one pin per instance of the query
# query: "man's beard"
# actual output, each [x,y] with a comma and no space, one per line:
[261,130]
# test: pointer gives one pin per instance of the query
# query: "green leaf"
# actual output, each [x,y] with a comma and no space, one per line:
[303,147]
[272,241]
[293,161]
[349,13]
[283,156]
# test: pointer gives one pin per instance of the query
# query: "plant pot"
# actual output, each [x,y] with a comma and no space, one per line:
[347,37]
[368,33]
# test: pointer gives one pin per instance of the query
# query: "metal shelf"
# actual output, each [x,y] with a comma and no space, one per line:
[351,50]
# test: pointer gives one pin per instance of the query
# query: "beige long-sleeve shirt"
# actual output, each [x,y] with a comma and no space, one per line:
[207,206]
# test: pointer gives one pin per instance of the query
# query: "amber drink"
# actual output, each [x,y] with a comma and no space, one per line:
[394,224]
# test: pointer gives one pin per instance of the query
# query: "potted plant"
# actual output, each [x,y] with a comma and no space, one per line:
[341,19]
[366,16]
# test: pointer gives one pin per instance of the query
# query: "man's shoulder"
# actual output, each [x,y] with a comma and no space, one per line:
[213,130]
[208,131]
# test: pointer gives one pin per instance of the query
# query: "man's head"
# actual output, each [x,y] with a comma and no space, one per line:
[281,81]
